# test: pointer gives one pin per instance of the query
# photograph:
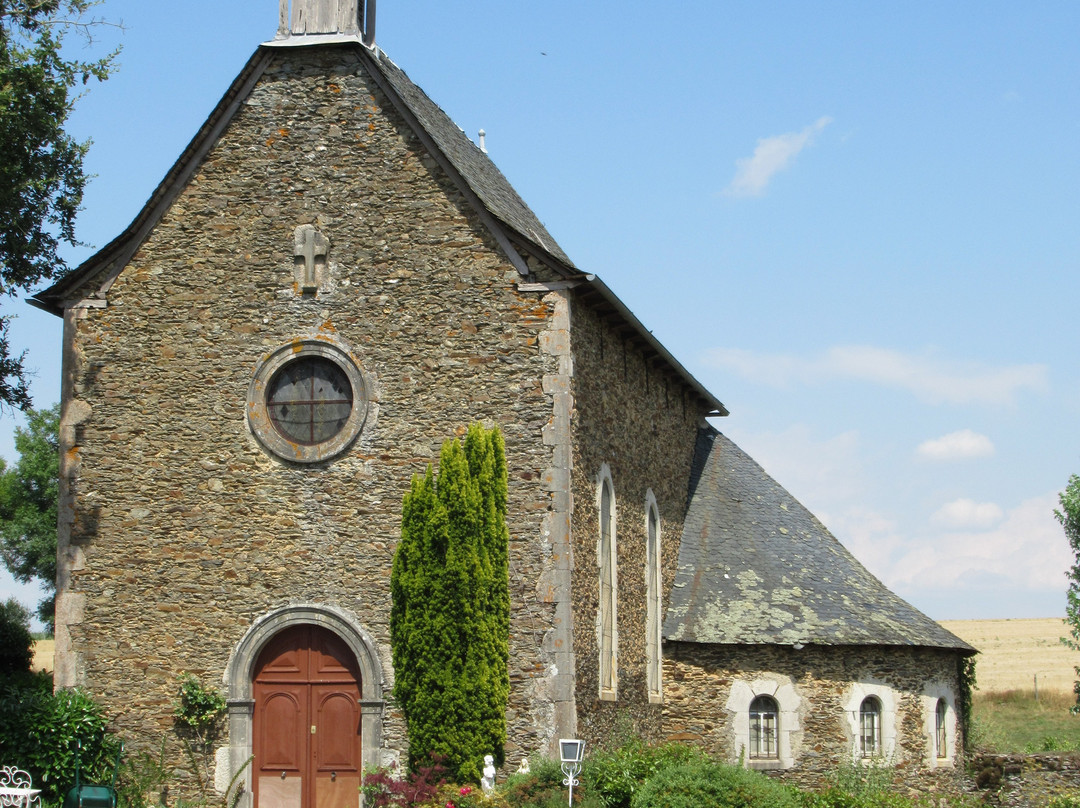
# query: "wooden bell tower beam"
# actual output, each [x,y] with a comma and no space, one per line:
[298,18]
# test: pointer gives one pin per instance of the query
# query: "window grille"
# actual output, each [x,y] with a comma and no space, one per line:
[608,588]
[870,727]
[940,715]
[764,727]
[654,596]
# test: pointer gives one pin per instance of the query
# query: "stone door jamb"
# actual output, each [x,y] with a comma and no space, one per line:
[241,669]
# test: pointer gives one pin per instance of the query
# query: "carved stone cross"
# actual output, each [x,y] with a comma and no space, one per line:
[310,248]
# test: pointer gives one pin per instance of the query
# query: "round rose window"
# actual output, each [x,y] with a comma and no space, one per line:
[307,401]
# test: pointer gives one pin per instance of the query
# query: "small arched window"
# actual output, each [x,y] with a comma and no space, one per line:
[941,713]
[764,728]
[870,727]
[654,602]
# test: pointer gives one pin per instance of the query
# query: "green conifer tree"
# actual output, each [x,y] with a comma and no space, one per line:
[450,618]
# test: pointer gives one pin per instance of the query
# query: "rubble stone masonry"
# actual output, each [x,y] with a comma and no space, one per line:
[179,530]
[699,680]
[643,423]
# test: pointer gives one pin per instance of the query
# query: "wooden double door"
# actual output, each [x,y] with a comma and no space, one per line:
[306,724]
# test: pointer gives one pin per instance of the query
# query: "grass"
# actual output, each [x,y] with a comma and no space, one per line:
[1012,721]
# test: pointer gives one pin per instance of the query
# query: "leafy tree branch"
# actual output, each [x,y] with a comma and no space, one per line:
[41,165]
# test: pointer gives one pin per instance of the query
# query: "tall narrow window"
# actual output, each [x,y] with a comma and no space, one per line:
[870,727]
[654,603]
[940,739]
[764,726]
[608,639]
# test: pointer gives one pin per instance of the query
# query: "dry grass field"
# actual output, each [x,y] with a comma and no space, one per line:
[1014,652]
[43,655]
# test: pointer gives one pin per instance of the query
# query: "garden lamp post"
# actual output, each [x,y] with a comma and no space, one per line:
[570,753]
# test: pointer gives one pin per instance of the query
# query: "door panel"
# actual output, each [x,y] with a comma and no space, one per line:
[277,793]
[281,715]
[307,722]
[344,792]
[338,727]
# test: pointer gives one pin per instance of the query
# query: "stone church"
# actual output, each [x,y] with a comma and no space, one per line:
[330,281]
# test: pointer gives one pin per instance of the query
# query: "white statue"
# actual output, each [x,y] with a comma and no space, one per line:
[523,767]
[487,782]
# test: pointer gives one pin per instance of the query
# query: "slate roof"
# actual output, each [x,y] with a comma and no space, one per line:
[481,174]
[756,567]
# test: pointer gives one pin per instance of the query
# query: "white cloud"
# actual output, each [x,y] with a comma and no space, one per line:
[925,375]
[772,154]
[967,557]
[1026,548]
[966,513]
[956,446]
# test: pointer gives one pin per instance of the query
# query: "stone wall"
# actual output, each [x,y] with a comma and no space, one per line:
[1026,781]
[827,683]
[181,529]
[642,423]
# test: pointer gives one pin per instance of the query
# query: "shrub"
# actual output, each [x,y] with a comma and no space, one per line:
[704,784]
[382,789]
[1064,801]
[615,775]
[41,730]
[1051,743]
[535,788]
[834,797]
[199,717]
[450,613]
[869,778]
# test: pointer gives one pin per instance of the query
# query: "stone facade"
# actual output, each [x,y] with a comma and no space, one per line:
[642,423]
[826,685]
[181,530]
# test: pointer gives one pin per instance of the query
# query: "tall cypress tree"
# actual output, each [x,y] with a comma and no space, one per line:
[450,619]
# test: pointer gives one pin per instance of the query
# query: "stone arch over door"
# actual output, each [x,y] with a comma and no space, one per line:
[240,672]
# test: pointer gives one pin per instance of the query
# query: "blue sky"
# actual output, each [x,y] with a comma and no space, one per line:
[855,223]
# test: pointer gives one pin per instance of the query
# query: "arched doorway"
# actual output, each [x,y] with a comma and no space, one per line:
[306,721]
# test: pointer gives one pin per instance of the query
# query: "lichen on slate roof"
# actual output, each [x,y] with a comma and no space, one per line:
[756,567]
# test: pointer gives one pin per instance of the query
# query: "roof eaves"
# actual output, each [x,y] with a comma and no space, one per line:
[718,409]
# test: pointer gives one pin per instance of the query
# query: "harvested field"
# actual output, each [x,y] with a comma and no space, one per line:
[43,655]
[1014,652]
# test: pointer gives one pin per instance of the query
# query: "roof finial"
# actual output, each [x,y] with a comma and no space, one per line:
[327,17]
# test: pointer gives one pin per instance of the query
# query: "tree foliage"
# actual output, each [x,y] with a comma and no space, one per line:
[1069,517]
[28,498]
[16,642]
[450,618]
[41,165]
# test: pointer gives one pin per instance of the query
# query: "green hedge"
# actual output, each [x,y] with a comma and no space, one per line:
[40,731]
[713,785]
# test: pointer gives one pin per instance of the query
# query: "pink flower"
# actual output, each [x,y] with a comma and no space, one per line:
[449,804]
[465,790]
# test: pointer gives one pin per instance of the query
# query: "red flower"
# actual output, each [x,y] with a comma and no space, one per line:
[465,790]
